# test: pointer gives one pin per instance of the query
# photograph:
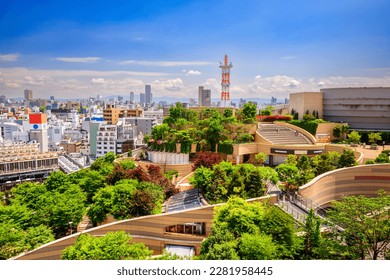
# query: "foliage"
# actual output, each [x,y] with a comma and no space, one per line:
[354,137]
[383,157]
[347,159]
[308,117]
[289,175]
[57,180]
[260,158]
[340,131]
[373,137]
[14,240]
[310,126]
[32,204]
[206,159]
[127,164]
[225,179]
[104,165]
[242,230]
[267,111]
[248,112]
[112,246]
[365,226]
[90,183]
[244,138]
[225,147]
[312,235]
[126,199]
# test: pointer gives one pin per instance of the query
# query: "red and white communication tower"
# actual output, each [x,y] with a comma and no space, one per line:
[225,93]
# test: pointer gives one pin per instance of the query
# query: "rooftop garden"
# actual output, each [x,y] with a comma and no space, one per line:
[208,130]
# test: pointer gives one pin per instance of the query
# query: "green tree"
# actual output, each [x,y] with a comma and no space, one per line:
[63,208]
[14,240]
[267,111]
[365,226]
[249,111]
[160,132]
[289,174]
[374,137]
[257,247]
[354,137]
[312,235]
[57,180]
[347,159]
[112,246]
[383,157]
[227,113]
[91,183]
[243,230]
[260,158]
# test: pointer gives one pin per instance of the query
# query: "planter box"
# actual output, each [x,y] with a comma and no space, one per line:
[373,147]
[354,145]
[193,147]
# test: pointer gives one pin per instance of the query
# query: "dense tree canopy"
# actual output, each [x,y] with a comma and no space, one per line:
[112,246]
[225,179]
[361,227]
[250,231]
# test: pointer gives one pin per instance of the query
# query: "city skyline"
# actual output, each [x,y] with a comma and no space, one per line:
[72,49]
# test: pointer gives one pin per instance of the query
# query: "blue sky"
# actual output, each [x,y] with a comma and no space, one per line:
[84,48]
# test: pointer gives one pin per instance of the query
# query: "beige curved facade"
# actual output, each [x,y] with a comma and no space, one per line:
[358,180]
[151,230]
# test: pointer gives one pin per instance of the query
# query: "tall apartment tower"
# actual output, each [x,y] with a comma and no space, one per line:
[204,97]
[225,84]
[28,95]
[148,94]
[131,97]
[142,98]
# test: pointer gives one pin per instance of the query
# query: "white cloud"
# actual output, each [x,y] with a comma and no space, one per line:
[36,80]
[193,73]
[281,86]
[78,59]
[9,57]
[101,81]
[170,84]
[165,63]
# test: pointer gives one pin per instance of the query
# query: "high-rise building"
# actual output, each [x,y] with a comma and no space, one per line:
[204,97]
[142,98]
[131,97]
[28,95]
[148,94]
[3,99]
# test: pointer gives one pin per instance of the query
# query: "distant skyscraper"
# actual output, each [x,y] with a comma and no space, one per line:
[52,98]
[225,84]
[28,95]
[274,100]
[142,97]
[204,97]
[3,99]
[131,97]
[148,94]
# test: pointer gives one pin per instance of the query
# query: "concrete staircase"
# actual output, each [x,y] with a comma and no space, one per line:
[278,134]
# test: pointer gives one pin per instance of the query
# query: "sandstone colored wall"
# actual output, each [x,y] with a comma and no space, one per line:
[358,180]
[148,229]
